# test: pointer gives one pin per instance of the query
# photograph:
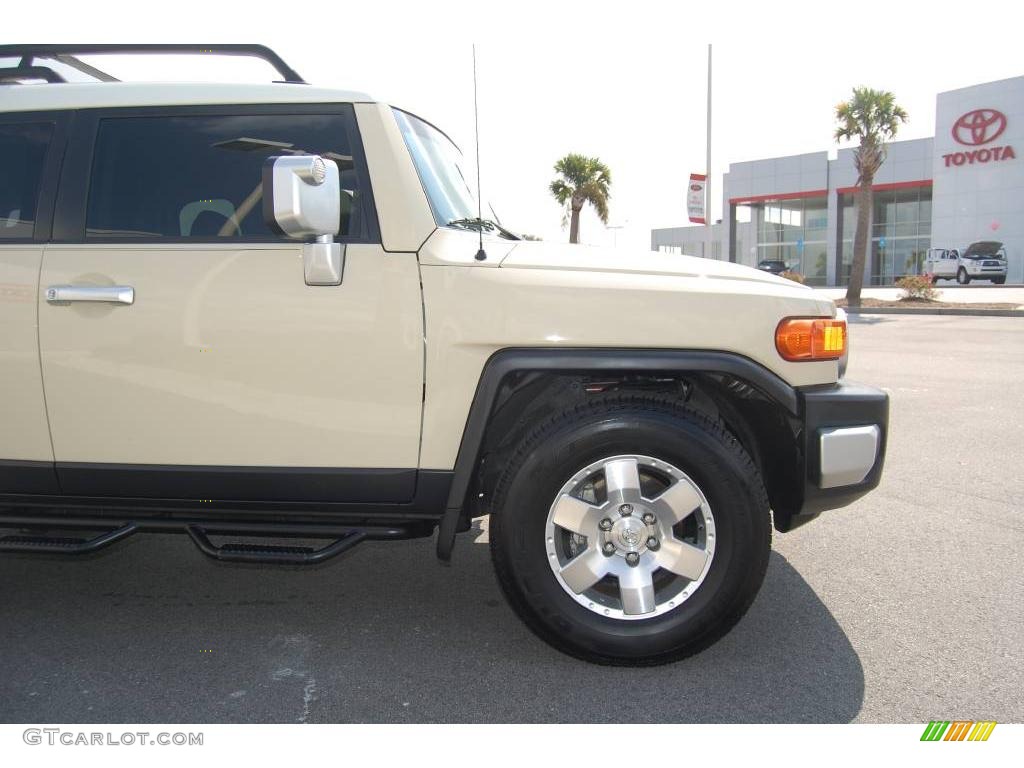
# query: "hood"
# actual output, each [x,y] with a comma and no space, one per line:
[563,256]
[983,248]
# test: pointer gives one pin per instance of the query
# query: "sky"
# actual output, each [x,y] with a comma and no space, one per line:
[625,82]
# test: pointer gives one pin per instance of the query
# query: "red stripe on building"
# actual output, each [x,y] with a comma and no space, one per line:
[888,187]
[779,196]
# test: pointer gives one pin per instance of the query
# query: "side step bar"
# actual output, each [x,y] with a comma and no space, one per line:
[64,545]
[280,554]
[343,538]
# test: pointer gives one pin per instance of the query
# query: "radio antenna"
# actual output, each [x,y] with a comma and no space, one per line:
[480,254]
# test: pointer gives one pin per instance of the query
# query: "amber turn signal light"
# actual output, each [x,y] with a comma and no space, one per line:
[800,339]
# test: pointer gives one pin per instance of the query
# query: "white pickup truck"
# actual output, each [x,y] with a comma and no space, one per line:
[983,260]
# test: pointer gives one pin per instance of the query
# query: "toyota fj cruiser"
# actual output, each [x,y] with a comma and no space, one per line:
[264,311]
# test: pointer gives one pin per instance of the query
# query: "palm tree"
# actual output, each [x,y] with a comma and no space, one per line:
[582,180]
[873,117]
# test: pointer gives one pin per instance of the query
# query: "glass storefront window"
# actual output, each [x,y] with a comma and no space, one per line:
[816,214]
[814,264]
[794,231]
[903,218]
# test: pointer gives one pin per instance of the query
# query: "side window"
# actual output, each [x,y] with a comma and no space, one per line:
[200,176]
[22,156]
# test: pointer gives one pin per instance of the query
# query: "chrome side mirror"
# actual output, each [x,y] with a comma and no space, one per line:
[302,199]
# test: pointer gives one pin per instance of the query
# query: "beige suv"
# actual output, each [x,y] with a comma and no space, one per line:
[265,311]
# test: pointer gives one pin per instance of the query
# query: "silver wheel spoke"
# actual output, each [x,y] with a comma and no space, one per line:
[585,570]
[576,516]
[682,559]
[629,536]
[636,589]
[677,503]
[622,478]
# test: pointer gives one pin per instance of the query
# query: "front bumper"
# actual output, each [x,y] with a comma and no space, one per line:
[843,439]
[982,273]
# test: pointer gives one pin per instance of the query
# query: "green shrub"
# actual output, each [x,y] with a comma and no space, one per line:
[917,288]
[796,277]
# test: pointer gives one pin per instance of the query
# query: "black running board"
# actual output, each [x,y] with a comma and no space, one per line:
[60,545]
[277,554]
[342,537]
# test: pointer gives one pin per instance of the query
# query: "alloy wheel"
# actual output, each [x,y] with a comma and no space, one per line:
[630,537]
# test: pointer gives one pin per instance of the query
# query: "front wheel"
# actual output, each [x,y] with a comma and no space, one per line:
[962,277]
[998,280]
[630,531]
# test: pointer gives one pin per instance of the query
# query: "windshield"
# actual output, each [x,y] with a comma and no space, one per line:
[441,168]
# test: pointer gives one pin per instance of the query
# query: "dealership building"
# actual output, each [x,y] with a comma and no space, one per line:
[964,185]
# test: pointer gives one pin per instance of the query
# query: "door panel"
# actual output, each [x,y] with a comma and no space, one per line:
[31,146]
[24,434]
[943,266]
[227,358]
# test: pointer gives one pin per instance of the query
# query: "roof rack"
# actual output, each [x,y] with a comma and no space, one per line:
[27,69]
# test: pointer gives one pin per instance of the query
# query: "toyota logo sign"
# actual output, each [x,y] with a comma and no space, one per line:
[978,129]
[979,126]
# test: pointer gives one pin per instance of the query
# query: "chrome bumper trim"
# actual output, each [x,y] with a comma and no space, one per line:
[847,454]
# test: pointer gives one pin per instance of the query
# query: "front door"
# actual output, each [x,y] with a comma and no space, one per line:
[30,149]
[209,369]
[945,264]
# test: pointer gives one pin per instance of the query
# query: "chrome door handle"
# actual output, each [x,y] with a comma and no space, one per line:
[115,294]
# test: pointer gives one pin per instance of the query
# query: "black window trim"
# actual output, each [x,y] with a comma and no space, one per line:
[70,216]
[47,193]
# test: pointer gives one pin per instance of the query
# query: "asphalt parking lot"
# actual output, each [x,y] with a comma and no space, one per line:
[904,607]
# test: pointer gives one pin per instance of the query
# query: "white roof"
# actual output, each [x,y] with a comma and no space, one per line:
[57,96]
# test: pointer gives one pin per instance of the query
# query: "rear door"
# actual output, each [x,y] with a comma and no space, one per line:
[30,151]
[226,376]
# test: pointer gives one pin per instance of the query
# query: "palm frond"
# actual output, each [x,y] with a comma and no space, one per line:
[873,117]
[562,192]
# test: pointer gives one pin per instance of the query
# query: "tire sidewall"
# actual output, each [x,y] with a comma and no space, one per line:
[727,479]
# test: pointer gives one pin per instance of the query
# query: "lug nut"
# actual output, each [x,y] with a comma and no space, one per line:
[626,510]
[633,559]
[605,524]
[649,518]
[652,542]
[608,548]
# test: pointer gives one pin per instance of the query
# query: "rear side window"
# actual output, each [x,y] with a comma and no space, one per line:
[199,177]
[22,156]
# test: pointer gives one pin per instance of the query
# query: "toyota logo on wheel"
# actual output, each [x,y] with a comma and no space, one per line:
[980,126]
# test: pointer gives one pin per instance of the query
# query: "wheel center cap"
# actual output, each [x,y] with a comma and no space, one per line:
[628,534]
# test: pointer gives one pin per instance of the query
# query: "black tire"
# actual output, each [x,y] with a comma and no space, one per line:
[962,277]
[998,280]
[661,429]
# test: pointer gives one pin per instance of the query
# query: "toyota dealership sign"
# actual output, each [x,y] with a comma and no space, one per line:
[977,169]
[976,131]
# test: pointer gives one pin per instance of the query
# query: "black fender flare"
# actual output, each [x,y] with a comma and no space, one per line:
[577,361]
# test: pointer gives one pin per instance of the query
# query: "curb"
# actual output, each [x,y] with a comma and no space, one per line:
[962,311]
